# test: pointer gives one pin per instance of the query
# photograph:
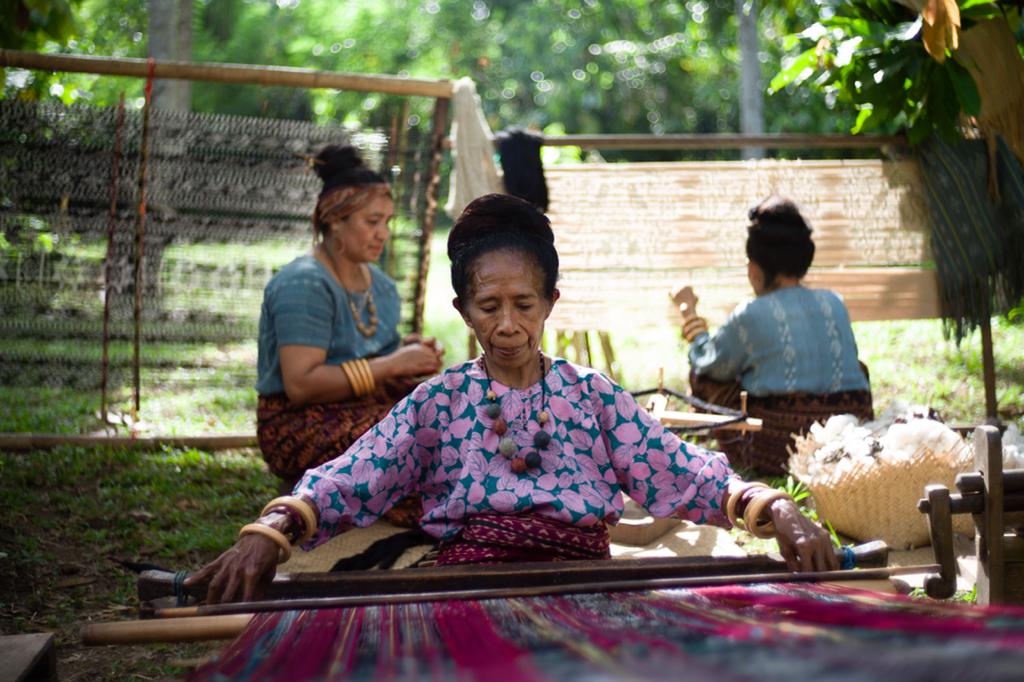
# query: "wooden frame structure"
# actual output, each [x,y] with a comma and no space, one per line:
[995,500]
[439,89]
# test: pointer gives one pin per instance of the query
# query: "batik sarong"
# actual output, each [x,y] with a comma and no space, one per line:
[296,438]
[783,416]
[501,538]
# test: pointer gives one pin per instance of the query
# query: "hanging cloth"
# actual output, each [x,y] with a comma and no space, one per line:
[474,171]
[522,165]
[978,241]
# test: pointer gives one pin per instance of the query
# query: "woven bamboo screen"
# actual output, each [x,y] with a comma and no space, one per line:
[626,233]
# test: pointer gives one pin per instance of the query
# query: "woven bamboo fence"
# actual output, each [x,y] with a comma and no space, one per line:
[626,233]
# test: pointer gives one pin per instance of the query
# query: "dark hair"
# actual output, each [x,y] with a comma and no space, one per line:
[499,222]
[779,239]
[342,166]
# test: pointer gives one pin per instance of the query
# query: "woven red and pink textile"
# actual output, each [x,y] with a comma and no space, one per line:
[757,632]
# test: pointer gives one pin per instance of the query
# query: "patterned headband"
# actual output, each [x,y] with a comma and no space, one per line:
[341,202]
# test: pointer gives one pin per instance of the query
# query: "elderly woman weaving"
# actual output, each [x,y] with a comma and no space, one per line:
[517,456]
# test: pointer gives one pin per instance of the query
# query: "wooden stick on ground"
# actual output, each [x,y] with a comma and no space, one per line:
[151,631]
[14,442]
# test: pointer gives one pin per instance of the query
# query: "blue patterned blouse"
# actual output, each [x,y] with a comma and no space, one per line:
[440,442]
[304,305]
[787,341]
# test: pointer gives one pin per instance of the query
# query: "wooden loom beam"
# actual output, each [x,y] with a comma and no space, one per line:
[727,141]
[158,584]
[618,585]
[223,621]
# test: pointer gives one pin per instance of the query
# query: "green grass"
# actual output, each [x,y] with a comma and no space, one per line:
[73,512]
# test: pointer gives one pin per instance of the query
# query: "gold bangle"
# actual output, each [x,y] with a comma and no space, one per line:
[370,384]
[355,379]
[730,505]
[756,509]
[271,534]
[348,375]
[695,322]
[303,509]
[694,328]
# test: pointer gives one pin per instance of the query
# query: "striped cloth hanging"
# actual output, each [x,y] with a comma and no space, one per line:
[977,238]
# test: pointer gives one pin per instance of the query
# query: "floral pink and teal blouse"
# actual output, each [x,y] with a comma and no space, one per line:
[439,441]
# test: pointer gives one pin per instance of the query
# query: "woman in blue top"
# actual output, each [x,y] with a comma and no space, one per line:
[791,348]
[331,362]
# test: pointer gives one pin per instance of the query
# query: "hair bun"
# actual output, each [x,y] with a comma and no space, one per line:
[497,213]
[778,221]
[335,163]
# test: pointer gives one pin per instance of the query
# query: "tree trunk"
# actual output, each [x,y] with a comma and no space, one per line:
[170,39]
[751,96]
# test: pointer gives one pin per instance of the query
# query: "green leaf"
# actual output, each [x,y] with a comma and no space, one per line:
[797,71]
[862,117]
[980,9]
[965,88]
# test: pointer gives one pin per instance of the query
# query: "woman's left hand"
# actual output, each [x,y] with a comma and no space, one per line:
[804,545]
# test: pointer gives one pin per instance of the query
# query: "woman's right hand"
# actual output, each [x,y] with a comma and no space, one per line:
[244,570]
[686,300]
[417,359]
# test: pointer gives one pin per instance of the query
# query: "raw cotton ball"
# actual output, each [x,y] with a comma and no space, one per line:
[866,479]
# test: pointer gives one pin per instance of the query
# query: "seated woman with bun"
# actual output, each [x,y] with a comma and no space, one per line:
[331,362]
[791,348]
[518,456]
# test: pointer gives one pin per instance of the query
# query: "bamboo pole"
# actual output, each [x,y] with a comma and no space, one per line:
[20,442]
[619,585]
[437,134]
[108,265]
[178,630]
[140,244]
[229,73]
[728,141]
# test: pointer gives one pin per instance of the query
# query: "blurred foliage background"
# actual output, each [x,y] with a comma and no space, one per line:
[559,66]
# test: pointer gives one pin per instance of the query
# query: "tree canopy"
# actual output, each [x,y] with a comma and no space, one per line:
[577,66]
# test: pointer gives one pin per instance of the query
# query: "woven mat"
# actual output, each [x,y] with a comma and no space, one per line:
[322,558]
[681,539]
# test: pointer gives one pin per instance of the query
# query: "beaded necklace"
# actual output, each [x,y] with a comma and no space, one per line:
[366,330]
[370,328]
[530,459]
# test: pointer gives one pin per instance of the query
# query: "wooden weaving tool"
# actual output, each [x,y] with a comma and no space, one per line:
[995,499]
[657,405]
[154,585]
[361,588]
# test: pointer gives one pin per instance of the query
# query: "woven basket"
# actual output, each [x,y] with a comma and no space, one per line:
[877,500]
